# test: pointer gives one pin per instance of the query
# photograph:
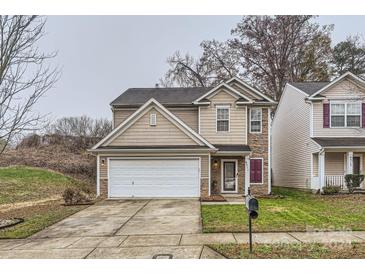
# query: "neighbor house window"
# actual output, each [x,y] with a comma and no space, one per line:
[345,114]
[255,120]
[222,119]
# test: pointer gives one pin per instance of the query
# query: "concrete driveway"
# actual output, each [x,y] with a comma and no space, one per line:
[117,229]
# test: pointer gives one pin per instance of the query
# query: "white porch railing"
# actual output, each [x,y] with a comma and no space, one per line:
[335,180]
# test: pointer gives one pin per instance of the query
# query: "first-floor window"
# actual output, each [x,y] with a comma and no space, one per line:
[222,119]
[256,170]
[345,114]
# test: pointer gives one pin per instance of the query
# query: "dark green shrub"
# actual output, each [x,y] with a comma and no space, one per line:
[353,181]
[330,190]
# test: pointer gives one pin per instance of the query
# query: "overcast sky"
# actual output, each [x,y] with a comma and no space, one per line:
[101,56]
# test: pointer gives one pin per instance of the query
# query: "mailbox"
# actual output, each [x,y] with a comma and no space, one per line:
[252,203]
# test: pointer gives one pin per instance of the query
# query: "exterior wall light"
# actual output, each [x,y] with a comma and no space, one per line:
[215,164]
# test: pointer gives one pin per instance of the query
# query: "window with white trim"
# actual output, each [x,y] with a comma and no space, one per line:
[345,114]
[255,120]
[222,118]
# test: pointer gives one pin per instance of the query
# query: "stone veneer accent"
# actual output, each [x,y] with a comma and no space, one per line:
[259,144]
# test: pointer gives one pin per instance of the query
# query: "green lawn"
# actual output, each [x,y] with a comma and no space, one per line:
[292,251]
[297,211]
[27,189]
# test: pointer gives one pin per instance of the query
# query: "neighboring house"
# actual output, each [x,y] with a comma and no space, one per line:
[186,142]
[318,133]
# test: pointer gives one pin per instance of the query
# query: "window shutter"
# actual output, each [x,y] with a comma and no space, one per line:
[363,114]
[326,115]
[258,171]
[252,171]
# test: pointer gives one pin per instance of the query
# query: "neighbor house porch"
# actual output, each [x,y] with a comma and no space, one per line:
[329,167]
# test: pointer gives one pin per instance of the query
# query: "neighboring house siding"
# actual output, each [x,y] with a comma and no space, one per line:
[335,162]
[188,115]
[315,164]
[237,133]
[344,89]
[244,91]
[291,144]
[142,134]
[320,131]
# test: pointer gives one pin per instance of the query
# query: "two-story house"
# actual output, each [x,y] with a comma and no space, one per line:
[186,142]
[318,133]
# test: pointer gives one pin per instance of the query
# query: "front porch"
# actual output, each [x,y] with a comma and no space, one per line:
[329,167]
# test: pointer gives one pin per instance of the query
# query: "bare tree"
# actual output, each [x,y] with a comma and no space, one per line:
[268,51]
[82,126]
[24,74]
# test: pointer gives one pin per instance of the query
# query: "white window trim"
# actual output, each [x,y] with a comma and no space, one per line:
[222,175]
[256,132]
[262,171]
[216,118]
[345,115]
[153,119]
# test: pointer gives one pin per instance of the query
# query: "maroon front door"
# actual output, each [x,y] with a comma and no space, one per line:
[256,170]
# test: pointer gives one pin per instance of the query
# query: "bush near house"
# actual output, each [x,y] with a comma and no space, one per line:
[353,181]
[330,190]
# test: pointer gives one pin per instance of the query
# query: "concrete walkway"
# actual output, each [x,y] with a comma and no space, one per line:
[144,229]
[180,246]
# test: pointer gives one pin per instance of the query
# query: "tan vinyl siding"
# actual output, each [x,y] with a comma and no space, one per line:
[189,116]
[320,131]
[142,134]
[237,133]
[244,91]
[292,147]
[335,163]
[204,172]
[119,115]
[344,89]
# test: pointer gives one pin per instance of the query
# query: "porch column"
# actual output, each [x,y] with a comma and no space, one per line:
[349,162]
[321,170]
[247,173]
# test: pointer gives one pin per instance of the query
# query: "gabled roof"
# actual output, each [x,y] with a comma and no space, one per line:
[166,96]
[345,75]
[228,88]
[140,112]
[309,87]
[254,90]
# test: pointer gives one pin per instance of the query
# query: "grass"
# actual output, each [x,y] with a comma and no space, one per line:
[21,184]
[297,211]
[31,187]
[292,251]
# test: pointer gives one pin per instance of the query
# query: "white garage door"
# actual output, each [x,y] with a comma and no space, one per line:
[154,178]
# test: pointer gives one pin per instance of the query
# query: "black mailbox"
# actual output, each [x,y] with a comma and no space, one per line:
[252,203]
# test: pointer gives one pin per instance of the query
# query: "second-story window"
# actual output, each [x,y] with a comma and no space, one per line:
[222,119]
[255,120]
[345,114]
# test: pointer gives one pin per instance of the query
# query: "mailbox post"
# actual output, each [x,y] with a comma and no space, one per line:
[252,205]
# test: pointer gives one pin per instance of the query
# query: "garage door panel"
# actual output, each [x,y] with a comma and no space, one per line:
[154,178]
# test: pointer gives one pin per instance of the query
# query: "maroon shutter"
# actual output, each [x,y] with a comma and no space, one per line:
[326,115]
[258,171]
[252,171]
[363,114]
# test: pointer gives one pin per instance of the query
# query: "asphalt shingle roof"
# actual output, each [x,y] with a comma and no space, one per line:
[340,142]
[309,87]
[166,96]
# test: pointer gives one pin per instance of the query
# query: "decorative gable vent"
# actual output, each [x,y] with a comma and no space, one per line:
[153,119]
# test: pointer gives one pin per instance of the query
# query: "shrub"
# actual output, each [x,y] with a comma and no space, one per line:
[73,196]
[353,181]
[330,190]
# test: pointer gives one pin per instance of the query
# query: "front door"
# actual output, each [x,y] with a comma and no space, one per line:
[356,162]
[229,176]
